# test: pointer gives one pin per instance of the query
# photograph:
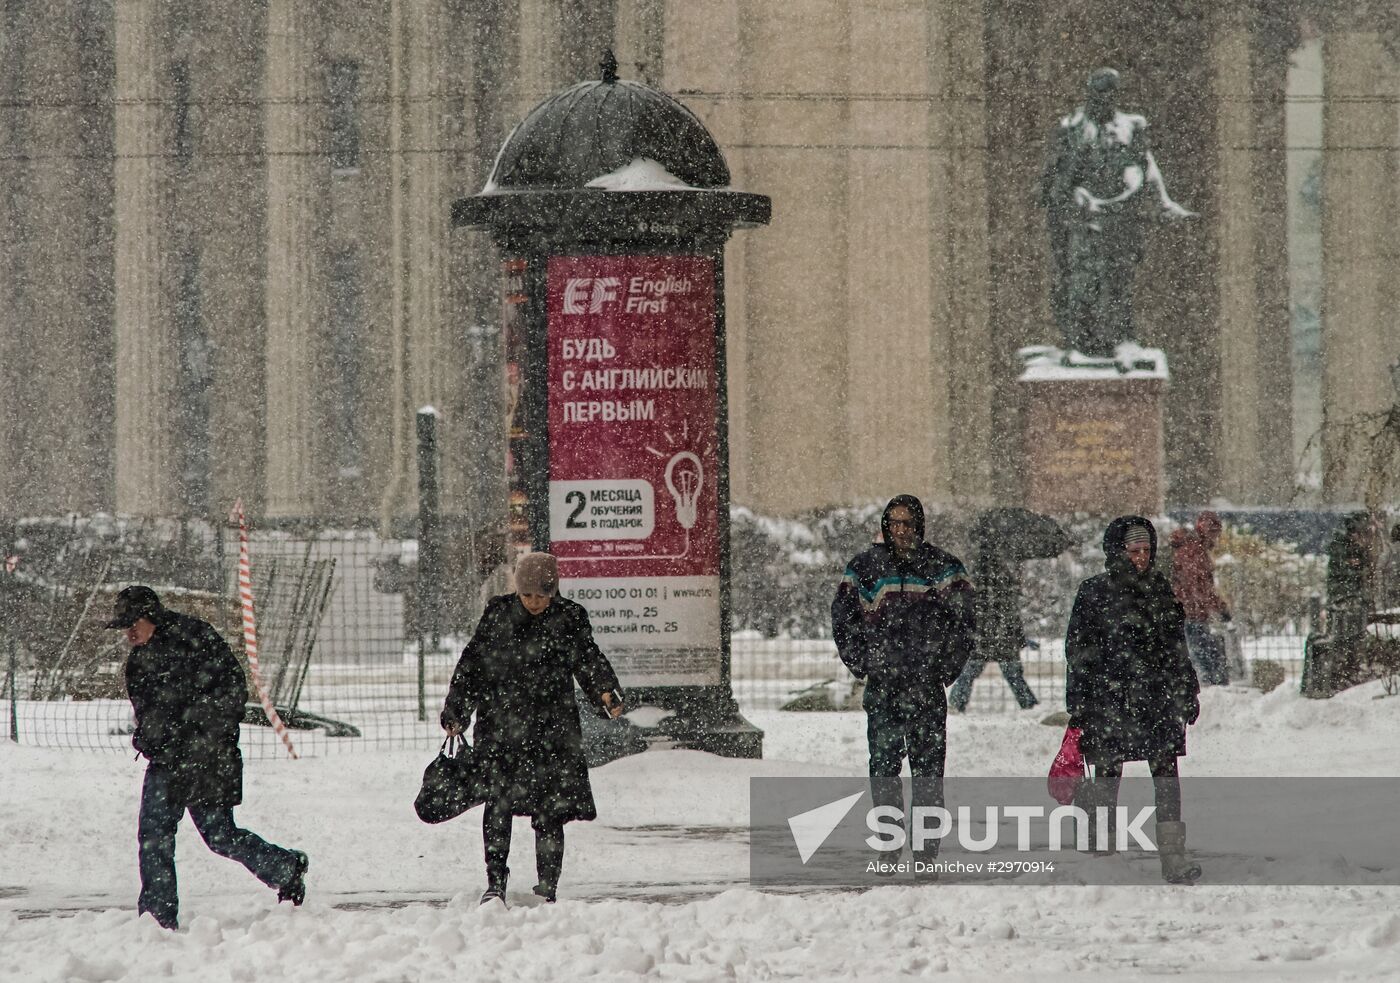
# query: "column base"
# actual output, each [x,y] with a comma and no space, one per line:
[698,718]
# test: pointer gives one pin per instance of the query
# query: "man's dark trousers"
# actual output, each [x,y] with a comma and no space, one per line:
[903,723]
[160,818]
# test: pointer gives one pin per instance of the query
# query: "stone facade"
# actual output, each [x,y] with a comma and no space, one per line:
[57,306]
[229,272]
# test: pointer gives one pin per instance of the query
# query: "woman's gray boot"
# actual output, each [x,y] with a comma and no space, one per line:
[1177,868]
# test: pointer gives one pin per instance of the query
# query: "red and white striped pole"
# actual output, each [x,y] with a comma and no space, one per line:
[250,627]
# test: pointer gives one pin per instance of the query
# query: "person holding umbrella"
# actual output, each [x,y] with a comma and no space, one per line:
[1131,689]
[1005,537]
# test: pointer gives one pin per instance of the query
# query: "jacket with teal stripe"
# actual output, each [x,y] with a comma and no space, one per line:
[904,617]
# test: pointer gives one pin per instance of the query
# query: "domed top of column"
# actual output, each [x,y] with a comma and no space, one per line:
[610,134]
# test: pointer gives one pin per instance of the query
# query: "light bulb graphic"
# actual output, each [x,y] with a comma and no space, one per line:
[684,476]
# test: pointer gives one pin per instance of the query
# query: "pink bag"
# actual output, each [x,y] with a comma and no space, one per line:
[1067,770]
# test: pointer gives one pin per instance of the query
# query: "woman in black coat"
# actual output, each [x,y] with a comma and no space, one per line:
[517,674]
[1131,688]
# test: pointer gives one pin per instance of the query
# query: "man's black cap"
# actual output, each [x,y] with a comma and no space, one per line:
[133,604]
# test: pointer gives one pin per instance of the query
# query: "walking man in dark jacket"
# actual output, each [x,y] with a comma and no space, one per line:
[1130,687]
[517,675]
[903,621]
[187,691]
[1351,562]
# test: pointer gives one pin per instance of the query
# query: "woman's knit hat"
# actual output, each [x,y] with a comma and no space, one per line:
[537,573]
[1136,535]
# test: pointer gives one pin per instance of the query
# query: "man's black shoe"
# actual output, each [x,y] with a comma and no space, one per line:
[493,894]
[166,923]
[295,889]
[546,891]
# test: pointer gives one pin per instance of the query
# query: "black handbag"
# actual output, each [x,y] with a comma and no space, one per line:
[449,783]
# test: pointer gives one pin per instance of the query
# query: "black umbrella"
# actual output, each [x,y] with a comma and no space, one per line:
[1016,534]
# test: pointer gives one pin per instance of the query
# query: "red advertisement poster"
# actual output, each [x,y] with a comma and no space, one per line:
[633,459]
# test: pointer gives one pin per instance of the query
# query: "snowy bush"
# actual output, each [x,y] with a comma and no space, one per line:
[785,571]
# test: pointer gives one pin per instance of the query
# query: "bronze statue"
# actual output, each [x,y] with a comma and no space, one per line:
[1100,161]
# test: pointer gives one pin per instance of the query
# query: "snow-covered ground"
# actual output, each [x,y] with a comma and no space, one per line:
[656,888]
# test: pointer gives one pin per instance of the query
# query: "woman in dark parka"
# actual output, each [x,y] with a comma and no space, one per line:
[517,674]
[1130,687]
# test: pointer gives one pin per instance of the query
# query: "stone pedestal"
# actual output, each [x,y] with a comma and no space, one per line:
[1092,438]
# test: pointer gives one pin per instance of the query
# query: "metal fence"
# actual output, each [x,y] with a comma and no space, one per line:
[363,700]
[339,629]
[807,674]
[1274,592]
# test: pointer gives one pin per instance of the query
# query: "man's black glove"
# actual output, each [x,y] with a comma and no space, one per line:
[1225,615]
[1191,711]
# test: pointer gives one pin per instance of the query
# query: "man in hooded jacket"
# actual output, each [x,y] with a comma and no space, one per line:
[1351,560]
[903,621]
[1130,686]
[187,693]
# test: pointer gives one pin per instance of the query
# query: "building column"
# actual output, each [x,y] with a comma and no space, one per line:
[706,57]
[1019,71]
[962,347]
[296,173]
[640,36]
[1255,435]
[887,283]
[16,306]
[1358,320]
[57,87]
[561,43]
[146,355]
[227,195]
[482,59]
[1274,313]
[1237,270]
[801,450]
[436,363]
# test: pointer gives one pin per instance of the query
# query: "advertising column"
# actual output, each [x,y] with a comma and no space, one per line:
[634,458]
